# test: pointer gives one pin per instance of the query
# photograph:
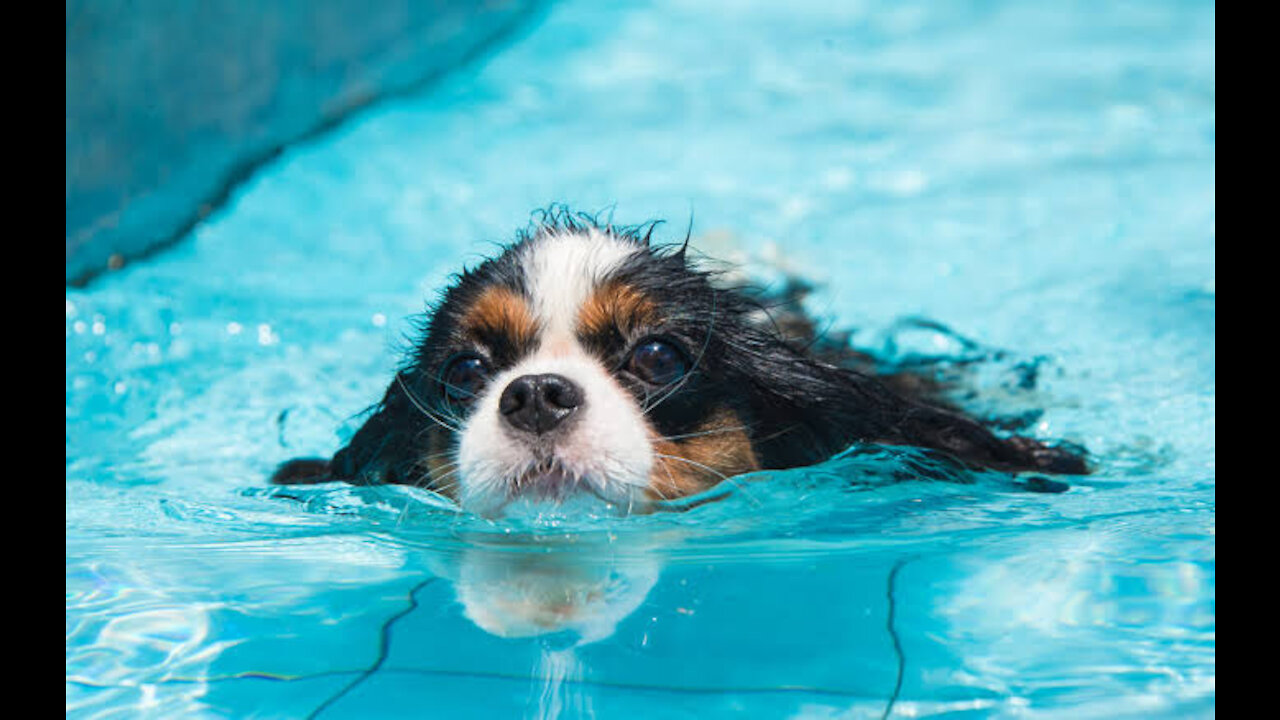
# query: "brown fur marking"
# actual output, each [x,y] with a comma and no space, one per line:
[718,449]
[616,306]
[502,311]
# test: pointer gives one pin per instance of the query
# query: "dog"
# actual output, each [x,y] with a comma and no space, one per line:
[585,359]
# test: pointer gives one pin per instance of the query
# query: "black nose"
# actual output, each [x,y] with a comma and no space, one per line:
[538,403]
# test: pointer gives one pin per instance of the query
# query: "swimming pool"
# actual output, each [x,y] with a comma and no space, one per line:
[1039,181]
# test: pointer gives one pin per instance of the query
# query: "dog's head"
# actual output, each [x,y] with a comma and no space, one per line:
[581,359]
[585,360]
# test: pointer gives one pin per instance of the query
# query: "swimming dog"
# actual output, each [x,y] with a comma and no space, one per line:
[587,359]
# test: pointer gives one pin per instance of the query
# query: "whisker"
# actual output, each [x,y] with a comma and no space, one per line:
[456,469]
[426,477]
[446,488]
[695,463]
[444,470]
[713,471]
[464,391]
[433,456]
[704,433]
[422,408]
[670,478]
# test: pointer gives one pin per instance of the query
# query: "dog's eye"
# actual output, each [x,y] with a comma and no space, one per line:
[658,362]
[463,377]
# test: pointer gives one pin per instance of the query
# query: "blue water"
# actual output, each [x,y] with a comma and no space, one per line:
[1040,178]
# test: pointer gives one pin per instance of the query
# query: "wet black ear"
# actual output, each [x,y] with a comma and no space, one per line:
[809,411]
[805,410]
[303,471]
[1060,458]
[973,443]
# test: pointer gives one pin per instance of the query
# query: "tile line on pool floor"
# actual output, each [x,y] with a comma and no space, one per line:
[890,594]
[384,646]
[511,677]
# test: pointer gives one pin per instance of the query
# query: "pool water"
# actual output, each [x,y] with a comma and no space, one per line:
[1037,181]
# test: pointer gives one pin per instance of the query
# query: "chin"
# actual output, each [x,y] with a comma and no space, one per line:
[585,360]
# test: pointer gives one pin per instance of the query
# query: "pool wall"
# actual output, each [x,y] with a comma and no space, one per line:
[170,106]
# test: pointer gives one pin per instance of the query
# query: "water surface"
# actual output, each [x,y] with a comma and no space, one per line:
[1038,179]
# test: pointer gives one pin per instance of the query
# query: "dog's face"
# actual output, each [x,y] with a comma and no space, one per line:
[581,360]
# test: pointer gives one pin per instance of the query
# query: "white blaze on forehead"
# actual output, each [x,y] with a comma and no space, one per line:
[562,270]
[607,445]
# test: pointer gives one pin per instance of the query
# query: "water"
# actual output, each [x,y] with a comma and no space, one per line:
[1039,179]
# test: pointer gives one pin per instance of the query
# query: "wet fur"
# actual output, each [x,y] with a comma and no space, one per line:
[798,396]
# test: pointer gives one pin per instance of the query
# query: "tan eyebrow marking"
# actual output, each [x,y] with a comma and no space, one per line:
[504,313]
[616,306]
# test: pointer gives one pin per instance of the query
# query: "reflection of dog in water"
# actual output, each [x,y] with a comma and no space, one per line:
[524,590]
[584,360]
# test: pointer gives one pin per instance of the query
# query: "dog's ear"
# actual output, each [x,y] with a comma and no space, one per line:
[810,410]
[973,443]
[804,410]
